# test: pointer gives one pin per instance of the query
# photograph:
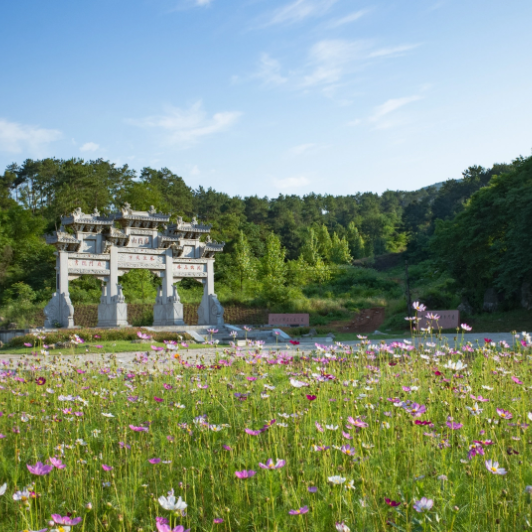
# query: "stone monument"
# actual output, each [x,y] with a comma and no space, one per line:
[106,247]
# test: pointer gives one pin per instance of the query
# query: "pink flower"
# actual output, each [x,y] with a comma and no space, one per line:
[40,381]
[40,469]
[167,386]
[357,422]
[319,427]
[312,397]
[138,429]
[163,527]
[271,465]
[158,399]
[454,426]
[391,503]
[124,445]
[58,520]
[107,467]
[253,432]
[27,345]
[516,380]
[299,511]
[156,348]
[217,520]
[505,414]
[227,447]
[245,474]
[57,463]
[154,460]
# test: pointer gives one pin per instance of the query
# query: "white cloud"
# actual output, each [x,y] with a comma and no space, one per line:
[348,18]
[300,10]
[302,148]
[15,137]
[270,71]
[329,59]
[89,146]
[392,105]
[291,182]
[394,51]
[203,2]
[186,126]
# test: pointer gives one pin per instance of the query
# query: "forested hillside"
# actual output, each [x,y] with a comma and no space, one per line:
[311,253]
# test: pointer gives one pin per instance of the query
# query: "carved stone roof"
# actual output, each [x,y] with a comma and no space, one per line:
[87,223]
[151,219]
[63,241]
[210,248]
[189,230]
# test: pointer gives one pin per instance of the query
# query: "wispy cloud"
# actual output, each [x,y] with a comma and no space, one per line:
[15,137]
[186,126]
[293,182]
[347,19]
[203,2]
[393,51]
[89,146]
[300,10]
[270,71]
[380,119]
[302,148]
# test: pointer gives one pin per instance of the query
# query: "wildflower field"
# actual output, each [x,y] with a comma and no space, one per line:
[372,437]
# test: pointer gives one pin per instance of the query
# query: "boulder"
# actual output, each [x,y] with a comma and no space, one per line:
[526,295]
[464,307]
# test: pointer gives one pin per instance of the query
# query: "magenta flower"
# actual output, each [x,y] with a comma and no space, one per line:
[312,489]
[27,344]
[312,397]
[138,429]
[245,474]
[227,447]
[133,398]
[357,422]
[40,381]
[347,449]
[217,520]
[454,426]
[158,399]
[271,465]
[57,463]
[107,467]
[154,460]
[253,432]
[516,380]
[40,469]
[163,527]
[124,445]
[391,503]
[66,520]
[505,414]
[416,409]
[167,386]
[299,511]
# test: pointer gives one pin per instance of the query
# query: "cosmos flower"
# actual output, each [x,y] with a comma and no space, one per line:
[138,429]
[40,469]
[299,511]
[170,503]
[337,479]
[3,489]
[245,474]
[505,414]
[66,520]
[57,463]
[423,505]
[493,467]
[342,527]
[107,467]
[40,381]
[271,465]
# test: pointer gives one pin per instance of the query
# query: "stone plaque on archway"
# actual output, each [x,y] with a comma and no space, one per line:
[107,247]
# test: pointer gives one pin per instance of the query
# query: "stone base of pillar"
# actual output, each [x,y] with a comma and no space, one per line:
[168,310]
[210,311]
[168,314]
[113,312]
[59,312]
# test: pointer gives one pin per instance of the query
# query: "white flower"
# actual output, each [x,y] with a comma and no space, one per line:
[81,442]
[350,485]
[331,427]
[62,528]
[342,527]
[297,384]
[3,488]
[269,387]
[23,495]
[264,395]
[487,387]
[96,433]
[170,503]
[456,366]
[337,479]
[179,405]
[284,425]
[474,410]
[107,415]
[530,416]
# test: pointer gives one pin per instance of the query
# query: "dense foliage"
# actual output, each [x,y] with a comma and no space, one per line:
[284,249]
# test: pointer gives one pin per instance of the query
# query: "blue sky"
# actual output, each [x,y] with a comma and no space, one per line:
[270,96]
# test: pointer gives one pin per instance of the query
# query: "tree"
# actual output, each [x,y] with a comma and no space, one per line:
[324,242]
[243,261]
[355,241]
[310,249]
[273,271]
[340,251]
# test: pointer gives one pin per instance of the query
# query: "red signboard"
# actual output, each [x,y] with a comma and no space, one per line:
[447,319]
[301,320]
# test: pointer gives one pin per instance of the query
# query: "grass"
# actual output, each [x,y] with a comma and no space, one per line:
[360,426]
[118,346]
